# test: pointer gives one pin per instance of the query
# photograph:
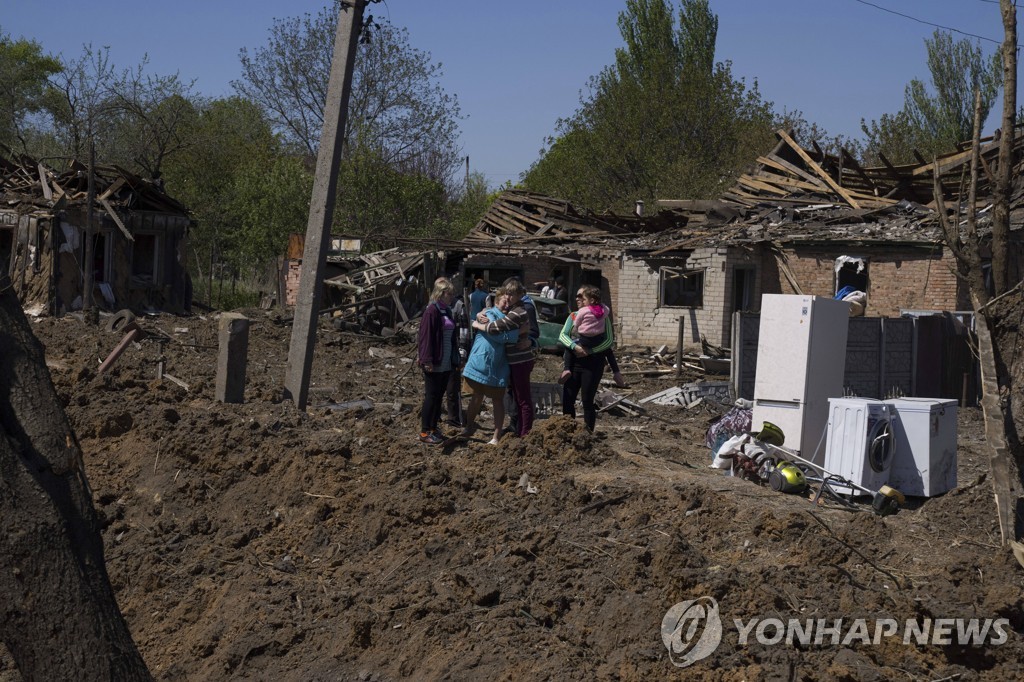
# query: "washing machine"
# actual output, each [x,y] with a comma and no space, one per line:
[924,462]
[859,443]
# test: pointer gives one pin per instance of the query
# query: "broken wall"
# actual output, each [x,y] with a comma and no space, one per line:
[30,260]
[899,278]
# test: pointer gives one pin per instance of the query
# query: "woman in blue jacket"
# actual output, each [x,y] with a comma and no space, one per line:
[486,373]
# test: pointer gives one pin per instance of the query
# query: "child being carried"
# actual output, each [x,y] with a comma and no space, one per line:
[589,330]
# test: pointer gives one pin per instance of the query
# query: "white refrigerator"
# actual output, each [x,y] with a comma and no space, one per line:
[801,359]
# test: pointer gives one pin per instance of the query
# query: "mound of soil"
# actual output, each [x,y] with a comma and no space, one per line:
[256,541]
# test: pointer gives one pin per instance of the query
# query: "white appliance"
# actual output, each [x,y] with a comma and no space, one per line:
[925,458]
[801,358]
[860,443]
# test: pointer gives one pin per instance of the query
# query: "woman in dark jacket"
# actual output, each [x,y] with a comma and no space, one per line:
[438,355]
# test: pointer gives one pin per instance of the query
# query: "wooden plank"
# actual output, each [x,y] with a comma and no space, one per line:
[117,219]
[520,213]
[787,181]
[755,184]
[116,185]
[700,205]
[783,263]
[544,229]
[745,201]
[818,169]
[398,305]
[782,164]
[951,162]
[47,192]
[856,167]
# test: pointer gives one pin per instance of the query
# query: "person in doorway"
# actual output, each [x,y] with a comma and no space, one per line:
[548,289]
[477,299]
[486,373]
[591,328]
[561,293]
[520,354]
[437,356]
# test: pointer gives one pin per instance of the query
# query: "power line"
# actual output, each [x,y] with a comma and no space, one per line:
[928,23]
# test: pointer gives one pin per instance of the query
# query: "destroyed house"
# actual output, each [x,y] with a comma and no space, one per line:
[801,221]
[139,238]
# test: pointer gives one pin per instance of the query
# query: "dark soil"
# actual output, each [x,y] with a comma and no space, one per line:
[254,541]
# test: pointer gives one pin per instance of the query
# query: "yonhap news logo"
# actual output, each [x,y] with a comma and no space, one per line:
[692,630]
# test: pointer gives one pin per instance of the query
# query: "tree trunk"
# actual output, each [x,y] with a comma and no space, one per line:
[58,615]
[1001,191]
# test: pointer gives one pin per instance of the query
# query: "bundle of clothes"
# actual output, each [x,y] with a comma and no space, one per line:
[857,299]
[734,446]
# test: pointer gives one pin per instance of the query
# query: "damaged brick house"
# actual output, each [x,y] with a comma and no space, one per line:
[139,239]
[800,222]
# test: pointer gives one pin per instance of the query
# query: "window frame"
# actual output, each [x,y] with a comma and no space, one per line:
[696,275]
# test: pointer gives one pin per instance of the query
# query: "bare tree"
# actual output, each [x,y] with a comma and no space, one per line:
[397,109]
[154,114]
[84,105]
[58,615]
[962,236]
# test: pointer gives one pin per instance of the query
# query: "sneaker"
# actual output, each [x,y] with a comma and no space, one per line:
[493,441]
[565,376]
[431,438]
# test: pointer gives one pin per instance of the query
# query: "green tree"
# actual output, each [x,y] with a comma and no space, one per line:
[932,121]
[269,200]
[470,205]
[231,142]
[379,202]
[24,86]
[155,114]
[664,120]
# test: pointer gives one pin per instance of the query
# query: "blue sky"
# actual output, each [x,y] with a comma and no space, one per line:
[517,67]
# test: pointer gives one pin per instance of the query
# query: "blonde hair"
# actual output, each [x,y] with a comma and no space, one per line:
[441,286]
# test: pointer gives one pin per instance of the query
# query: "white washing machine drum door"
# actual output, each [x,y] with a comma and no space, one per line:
[880,445]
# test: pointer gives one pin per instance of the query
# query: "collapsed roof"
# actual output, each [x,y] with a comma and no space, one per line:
[792,194]
[31,184]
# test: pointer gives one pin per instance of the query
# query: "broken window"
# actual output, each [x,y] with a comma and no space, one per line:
[851,272]
[102,256]
[682,288]
[145,251]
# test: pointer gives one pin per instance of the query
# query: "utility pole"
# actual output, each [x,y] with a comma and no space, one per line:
[321,204]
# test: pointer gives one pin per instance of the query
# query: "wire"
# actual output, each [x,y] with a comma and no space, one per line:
[928,23]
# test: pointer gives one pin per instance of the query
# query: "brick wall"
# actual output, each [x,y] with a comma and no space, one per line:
[908,278]
[643,322]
